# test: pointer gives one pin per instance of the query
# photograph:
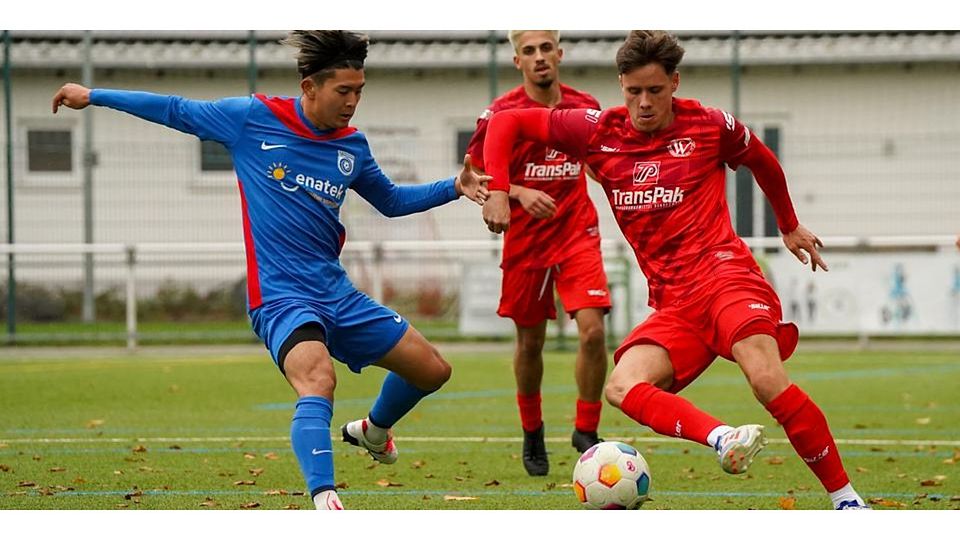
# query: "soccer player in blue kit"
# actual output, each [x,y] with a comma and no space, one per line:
[295,159]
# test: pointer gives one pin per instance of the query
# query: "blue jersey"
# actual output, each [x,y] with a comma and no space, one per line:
[293,179]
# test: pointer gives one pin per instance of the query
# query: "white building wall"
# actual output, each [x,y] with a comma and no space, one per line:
[868,150]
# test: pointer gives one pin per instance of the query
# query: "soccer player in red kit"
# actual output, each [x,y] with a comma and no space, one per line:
[554,240]
[661,162]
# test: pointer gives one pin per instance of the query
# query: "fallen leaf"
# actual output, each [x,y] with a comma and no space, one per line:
[248,455]
[256,472]
[37,458]
[418,464]
[859,426]
[428,475]
[209,503]
[292,506]
[459,478]
[4,445]
[139,448]
[878,501]
[342,485]
[174,447]
[550,485]
[788,503]
[877,449]
[118,472]
[935,481]
[271,456]
[4,468]
[145,469]
[492,483]
[775,460]
[373,465]
[863,469]
[383,482]
[123,505]
[133,494]
[79,480]
[91,424]
[245,483]
[57,469]
[249,505]
[923,421]
[955,498]
[890,459]
[297,494]
[26,483]
[276,492]
[458,498]
[462,462]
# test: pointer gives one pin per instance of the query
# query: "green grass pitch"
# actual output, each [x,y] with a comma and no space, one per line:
[161,430]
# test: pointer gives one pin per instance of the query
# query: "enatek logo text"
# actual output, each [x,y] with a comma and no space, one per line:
[649,199]
[324,191]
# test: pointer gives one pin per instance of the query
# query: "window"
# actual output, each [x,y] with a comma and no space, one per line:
[463,140]
[49,150]
[214,157]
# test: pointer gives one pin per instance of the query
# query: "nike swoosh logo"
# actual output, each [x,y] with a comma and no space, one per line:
[318,452]
[265,146]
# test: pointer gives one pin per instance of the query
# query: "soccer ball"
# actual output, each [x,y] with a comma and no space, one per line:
[611,476]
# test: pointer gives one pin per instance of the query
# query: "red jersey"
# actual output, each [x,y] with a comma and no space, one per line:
[533,242]
[667,188]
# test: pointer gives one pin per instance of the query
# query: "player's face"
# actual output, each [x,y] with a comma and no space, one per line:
[331,104]
[538,58]
[648,92]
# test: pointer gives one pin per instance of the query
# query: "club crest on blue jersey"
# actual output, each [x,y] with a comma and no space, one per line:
[345,162]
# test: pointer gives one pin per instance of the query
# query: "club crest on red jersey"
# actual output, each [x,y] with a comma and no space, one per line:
[681,147]
[646,173]
[554,155]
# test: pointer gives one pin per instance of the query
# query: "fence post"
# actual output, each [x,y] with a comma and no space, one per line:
[377,285]
[131,298]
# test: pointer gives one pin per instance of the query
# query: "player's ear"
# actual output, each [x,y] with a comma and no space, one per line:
[559,54]
[308,87]
[675,80]
[516,61]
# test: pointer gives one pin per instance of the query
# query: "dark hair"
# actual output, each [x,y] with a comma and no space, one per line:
[644,47]
[322,51]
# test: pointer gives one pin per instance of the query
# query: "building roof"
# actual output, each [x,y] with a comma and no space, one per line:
[471,49]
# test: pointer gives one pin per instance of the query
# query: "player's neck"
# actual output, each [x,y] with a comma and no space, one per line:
[549,96]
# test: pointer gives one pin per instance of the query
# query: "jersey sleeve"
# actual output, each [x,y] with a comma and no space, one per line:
[734,137]
[393,200]
[220,120]
[475,146]
[572,129]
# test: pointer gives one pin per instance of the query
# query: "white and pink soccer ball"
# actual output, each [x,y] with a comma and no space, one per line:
[611,476]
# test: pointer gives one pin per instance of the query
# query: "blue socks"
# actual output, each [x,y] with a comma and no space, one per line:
[397,397]
[310,438]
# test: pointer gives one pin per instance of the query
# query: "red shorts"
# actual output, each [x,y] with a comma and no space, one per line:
[726,311]
[527,294]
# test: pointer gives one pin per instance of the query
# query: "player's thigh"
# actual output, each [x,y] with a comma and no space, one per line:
[582,283]
[417,361]
[526,295]
[688,355]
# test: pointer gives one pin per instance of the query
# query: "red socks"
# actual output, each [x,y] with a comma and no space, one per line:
[588,415]
[531,417]
[668,414]
[810,436]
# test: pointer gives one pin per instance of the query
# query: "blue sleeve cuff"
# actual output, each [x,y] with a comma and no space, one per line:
[452,188]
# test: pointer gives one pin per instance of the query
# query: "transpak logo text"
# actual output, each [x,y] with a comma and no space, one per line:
[646,173]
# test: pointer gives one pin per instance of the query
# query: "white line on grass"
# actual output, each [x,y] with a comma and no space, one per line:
[632,440]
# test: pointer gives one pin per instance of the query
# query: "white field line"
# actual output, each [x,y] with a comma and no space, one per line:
[632,440]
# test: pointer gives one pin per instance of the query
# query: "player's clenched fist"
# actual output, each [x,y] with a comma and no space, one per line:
[496,212]
[71,95]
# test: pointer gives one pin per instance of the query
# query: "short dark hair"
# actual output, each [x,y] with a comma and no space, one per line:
[644,47]
[322,51]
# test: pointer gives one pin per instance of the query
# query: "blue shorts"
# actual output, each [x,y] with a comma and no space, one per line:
[358,331]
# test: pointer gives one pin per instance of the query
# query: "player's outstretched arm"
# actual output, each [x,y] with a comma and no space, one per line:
[71,95]
[801,240]
[503,132]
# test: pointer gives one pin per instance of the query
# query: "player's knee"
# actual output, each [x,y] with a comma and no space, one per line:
[593,336]
[767,384]
[530,346]
[617,388]
[439,372]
